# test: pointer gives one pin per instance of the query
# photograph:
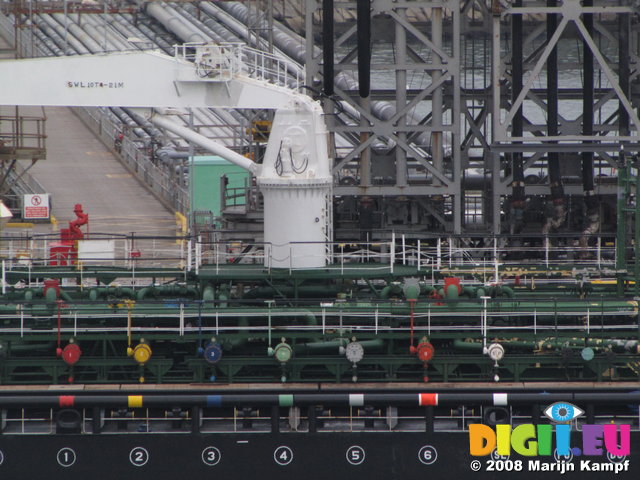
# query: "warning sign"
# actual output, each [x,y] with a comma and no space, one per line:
[36,206]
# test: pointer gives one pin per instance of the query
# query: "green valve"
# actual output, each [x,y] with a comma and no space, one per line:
[283,352]
[285,400]
[587,354]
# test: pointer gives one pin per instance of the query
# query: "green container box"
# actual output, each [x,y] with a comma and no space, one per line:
[207,184]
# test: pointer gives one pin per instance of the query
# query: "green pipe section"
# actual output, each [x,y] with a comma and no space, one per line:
[304,291]
[551,343]
[317,347]
[236,342]
[51,296]
[451,292]
[411,292]
[329,345]
[426,289]
[394,288]
[468,292]
[209,293]
[65,296]
[223,296]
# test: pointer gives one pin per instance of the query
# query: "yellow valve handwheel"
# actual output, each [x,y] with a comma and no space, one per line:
[142,353]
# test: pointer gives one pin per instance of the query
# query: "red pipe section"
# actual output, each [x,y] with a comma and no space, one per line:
[412,304]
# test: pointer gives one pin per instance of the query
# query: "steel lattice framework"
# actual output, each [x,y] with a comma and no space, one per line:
[465,93]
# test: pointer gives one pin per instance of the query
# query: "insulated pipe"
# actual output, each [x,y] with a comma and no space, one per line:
[96,29]
[205,27]
[79,33]
[173,24]
[49,37]
[193,24]
[125,21]
[205,143]
[236,21]
[70,39]
[294,46]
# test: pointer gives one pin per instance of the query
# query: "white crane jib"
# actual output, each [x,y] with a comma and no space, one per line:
[295,176]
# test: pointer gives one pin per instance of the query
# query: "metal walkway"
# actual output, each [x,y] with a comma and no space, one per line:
[80,169]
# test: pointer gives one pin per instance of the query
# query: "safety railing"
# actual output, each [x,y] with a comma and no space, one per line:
[138,157]
[221,62]
[487,264]
[364,419]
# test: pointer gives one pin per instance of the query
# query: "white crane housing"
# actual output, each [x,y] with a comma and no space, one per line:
[295,177]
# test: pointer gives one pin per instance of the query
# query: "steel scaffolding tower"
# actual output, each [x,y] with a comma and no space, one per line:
[476,107]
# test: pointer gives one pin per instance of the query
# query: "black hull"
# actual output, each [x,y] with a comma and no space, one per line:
[315,456]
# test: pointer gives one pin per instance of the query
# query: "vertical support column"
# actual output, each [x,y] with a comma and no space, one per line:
[496,135]
[311,66]
[364,82]
[496,198]
[458,199]
[517,185]
[552,104]
[96,420]
[624,25]
[436,98]
[591,203]
[401,97]
[275,419]
[196,415]
[327,46]
[621,222]
[636,237]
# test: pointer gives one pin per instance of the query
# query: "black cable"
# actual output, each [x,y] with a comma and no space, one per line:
[305,163]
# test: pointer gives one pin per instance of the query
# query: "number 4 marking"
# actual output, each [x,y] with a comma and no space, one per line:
[283,455]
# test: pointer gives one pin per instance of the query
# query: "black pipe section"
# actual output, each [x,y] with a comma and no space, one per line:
[624,25]
[517,185]
[363,11]
[555,179]
[327,46]
[337,399]
[587,114]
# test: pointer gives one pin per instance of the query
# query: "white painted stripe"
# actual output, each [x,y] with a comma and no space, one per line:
[356,399]
[500,399]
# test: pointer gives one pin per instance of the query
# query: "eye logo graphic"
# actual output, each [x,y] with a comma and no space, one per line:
[562,412]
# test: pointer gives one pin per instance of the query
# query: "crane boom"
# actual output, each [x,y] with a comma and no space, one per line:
[295,176]
[137,79]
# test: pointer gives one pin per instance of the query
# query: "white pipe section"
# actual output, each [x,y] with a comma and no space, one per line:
[205,143]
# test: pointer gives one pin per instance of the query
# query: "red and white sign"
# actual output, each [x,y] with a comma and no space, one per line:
[36,206]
